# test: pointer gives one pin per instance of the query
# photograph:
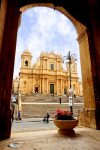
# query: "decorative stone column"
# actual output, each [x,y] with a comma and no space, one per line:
[47,86]
[57,86]
[40,85]
[43,85]
[61,87]
[33,85]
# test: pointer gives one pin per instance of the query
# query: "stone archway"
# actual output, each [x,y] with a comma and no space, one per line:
[87,117]
[89,50]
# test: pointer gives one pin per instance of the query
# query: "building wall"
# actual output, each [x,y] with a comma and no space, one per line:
[15,85]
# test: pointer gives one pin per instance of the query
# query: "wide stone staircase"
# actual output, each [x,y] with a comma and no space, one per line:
[38,105]
[39,110]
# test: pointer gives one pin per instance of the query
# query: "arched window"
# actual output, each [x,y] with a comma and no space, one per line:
[26,63]
[52,66]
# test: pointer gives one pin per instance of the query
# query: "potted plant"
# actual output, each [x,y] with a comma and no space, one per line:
[65,121]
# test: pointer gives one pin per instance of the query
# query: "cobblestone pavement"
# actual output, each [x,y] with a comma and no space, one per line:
[84,139]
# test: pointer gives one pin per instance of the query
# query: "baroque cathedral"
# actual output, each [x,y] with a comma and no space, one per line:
[47,75]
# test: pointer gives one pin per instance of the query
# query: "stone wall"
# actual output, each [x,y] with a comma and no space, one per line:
[87,118]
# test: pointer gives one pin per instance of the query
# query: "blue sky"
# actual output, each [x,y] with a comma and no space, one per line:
[44,29]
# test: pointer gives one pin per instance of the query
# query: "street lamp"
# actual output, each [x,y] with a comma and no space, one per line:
[69,58]
[69,62]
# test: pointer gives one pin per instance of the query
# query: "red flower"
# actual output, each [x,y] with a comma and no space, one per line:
[64,115]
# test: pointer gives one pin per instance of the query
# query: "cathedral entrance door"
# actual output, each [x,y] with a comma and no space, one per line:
[36,89]
[51,88]
[65,91]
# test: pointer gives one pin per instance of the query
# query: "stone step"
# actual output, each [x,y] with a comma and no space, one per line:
[40,110]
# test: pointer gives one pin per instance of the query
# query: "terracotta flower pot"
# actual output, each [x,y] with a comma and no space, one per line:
[66,126]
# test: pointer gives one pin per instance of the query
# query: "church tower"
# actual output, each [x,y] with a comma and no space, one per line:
[26,59]
[25,85]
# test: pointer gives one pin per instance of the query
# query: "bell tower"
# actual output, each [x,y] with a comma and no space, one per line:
[26,59]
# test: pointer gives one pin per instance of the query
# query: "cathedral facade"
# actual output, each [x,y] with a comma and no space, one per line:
[47,75]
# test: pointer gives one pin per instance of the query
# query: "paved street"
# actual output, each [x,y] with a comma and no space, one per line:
[34,134]
[84,139]
[32,124]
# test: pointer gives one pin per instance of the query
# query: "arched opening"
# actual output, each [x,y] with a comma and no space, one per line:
[36,90]
[89,72]
[89,103]
[26,63]
[49,83]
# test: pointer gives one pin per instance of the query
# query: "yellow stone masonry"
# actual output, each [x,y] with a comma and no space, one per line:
[47,75]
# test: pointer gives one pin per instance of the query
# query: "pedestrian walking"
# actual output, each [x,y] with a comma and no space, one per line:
[48,116]
[74,96]
[19,116]
[12,107]
[60,100]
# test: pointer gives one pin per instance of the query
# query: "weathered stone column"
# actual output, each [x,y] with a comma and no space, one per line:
[89,77]
[33,84]
[47,86]
[40,86]
[61,87]
[88,118]
[7,55]
[94,40]
[57,86]
[43,85]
